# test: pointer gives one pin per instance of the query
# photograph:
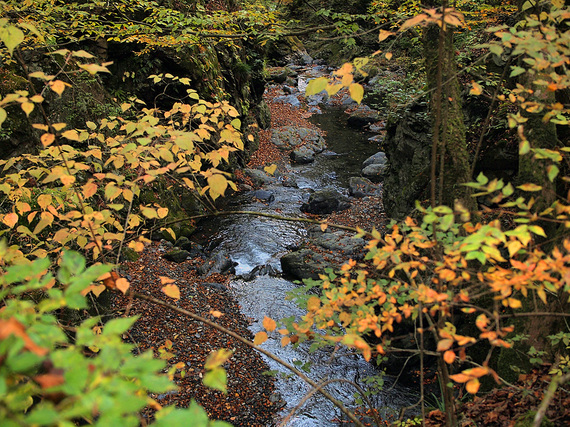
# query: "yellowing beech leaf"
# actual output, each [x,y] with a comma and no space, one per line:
[216,313]
[270,169]
[260,338]
[285,341]
[58,86]
[47,139]
[89,189]
[94,68]
[269,324]
[10,219]
[218,184]
[171,291]
[388,55]
[313,303]
[217,358]
[162,212]
[356,92]
[316,86]
[28,107]
[11,36]
[324,226]
[413,21]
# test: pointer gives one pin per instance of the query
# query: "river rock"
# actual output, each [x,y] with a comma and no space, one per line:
[259,177]
[325,202]
[302,155]
[303,264]
[362,116]
[289,137]
[374,172]
[218,263]
[378,158]
[361,187]
[261,270]
[339,242]
[176,255]
[288,99]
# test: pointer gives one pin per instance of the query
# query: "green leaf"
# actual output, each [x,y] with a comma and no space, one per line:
[316,86]
[516,70]
[216,379]
[118,326]
[524,147]
[552,171]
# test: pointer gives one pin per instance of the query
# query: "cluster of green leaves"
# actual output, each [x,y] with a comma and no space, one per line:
[51,375]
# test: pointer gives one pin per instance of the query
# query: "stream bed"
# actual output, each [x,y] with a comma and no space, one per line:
[258,241]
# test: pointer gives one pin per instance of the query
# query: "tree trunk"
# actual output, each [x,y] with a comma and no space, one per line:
[452,156]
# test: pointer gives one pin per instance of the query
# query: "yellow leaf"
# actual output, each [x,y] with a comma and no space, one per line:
[67,180]
[58,86]
[162,212]
[44,200]
[285,341]
[72,135]
[47,139]
[324,226]
[10,219]
[216,313]
[472,386]
[28,107]
[171,291]
[270,169]
[269,324]
[260,338]
[389,55]
[356,92]
[530,187]
[218,184]
[89,189]
[418,19]
[316,86]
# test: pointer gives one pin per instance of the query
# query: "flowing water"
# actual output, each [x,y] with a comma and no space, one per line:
[254,241]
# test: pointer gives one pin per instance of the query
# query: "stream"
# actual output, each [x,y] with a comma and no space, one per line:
[255,241]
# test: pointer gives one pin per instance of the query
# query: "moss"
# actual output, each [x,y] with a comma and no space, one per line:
[527,420]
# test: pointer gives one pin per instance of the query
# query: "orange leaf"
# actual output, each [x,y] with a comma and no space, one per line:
[166,280]
[172,291]
[313,303]
[49,380]
[216,313]
[285,341]
[47,139]
[460,378]
[260,338]
[13,327]
[122,284]
[269,324]
[472,386]
[10,219]
[449,357]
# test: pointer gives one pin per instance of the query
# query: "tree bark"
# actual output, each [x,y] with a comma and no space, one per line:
[446,110]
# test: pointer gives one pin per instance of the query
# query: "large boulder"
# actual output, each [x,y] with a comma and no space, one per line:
[303,264]
[375,159]
[302,155]
[289,137]
[408,147]
[325,202]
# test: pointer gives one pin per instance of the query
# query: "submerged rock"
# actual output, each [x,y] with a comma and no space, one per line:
[218,263]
